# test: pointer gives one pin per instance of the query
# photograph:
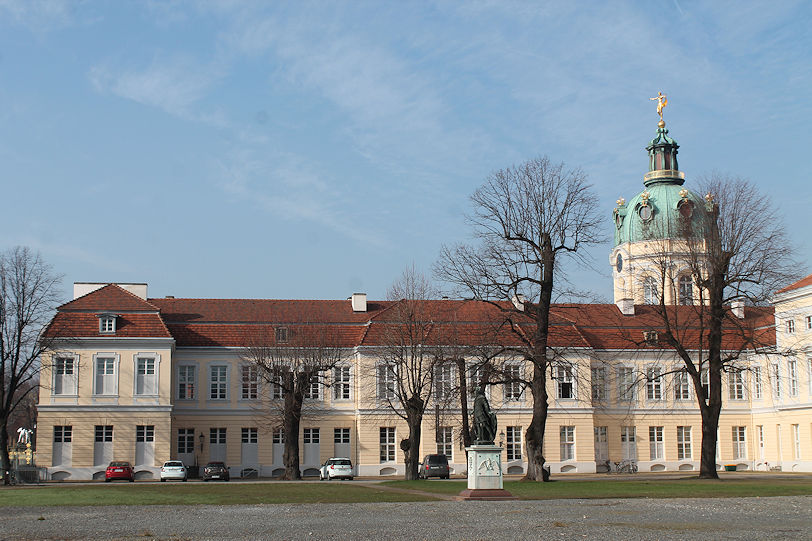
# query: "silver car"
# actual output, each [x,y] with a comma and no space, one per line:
[336,468]
[173,469]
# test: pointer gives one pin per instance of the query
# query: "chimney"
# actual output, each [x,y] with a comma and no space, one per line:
[737,307]
[626,306]
[359,302]
[518,301]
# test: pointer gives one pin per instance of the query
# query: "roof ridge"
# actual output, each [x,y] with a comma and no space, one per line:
[110,285]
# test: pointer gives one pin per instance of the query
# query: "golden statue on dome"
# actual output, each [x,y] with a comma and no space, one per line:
[662,101]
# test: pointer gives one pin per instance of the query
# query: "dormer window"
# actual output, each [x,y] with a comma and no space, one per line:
[281,335]
[107,324]
[651,338]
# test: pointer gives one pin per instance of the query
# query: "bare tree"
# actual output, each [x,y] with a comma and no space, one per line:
[525,217]
[293,363]
[29,292]
[736,253]
[410,355]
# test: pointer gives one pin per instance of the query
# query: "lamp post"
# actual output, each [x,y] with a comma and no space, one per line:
[501,438]
[202,438]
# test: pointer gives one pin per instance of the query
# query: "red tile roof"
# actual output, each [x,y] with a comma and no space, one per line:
[109,298]
[86,325]
[803,282]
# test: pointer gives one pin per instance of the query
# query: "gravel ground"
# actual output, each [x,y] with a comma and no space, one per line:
[788,517]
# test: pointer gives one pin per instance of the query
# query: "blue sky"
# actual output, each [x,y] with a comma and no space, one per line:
[312,150]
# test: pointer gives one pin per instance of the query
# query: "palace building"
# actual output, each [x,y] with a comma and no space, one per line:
[151,379]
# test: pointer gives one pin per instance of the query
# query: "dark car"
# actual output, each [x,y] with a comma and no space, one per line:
[433,466]
[119,470]
[215,470]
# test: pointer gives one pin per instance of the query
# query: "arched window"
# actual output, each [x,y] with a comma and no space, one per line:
[686,290]
[650,293]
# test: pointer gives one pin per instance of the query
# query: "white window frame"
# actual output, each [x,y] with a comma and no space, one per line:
[686,290]
[656,440]
[628,442]
[654,384]
[341,435]
[443,381]
[684,445]
[218,435]
[145,433]
[212,382]
[758,385]
[311,435]
[63,433]
[386,381]
[808,321]
[739,442]
[790,326]
[513,442]
[512,390]
[626,388]
[775,375]
[249,388]
[565,381]
[796,442]
[68,382]
[249,434]
[113,380]
[567,440]
[183,367]
[792,376]
[736,384]
[156,368]
[682,385]
[185,436]
[342,382]
[314,390]
[107,323]
[598,385]
[388,437]
[445,442]
[651,291]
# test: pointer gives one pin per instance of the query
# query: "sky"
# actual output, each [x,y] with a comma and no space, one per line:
[309,150]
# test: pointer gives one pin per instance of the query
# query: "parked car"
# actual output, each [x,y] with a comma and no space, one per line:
[215,470]
[433,466]
[173,469]
[336,468]
[119,470]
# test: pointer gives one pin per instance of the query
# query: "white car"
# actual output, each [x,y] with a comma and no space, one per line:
[336,468]
[173,469]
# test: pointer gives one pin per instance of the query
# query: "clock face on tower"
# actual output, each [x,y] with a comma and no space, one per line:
[619,263]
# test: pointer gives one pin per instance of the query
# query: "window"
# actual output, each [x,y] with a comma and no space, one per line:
[625,378]
[310,435]
[651,338]
[757,387]
[186,440]
[475,373]
[735,384]
[654,383]
[776,377]
[278,387]
[655,439]
[218,382]
[107,324]
[513,383]
[686,290]
[106,381]
[650,292]
[104,433]
[186,382]
[387,444]
[567,436]
[63,434]
[808,320]
[443,381]
[599,384]
[760,432]
[565,382]
[444,441]
[341,383]
[514,442]
[739,445]
[790,326]
[792,373]
[684,443]
[146,376]
[313,391]
[386,381]
[278,436]
[628,442]
[341,435]
[250,435]
[65,376]
[217,436]
[144,433]
[796,442]
[281,335]
[682,385]
[249,382]
[705,378]
[809,374]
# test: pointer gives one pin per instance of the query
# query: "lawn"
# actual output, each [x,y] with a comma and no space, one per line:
[660,488]
[198,494]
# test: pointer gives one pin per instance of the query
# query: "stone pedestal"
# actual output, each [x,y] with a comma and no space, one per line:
[485,474]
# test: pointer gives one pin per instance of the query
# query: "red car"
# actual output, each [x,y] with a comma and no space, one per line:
[119,470]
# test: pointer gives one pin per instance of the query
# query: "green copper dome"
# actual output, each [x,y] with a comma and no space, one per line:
[665,209]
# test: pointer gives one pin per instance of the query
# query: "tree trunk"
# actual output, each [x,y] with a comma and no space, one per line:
[290,426]
[414,420]
[466,427]
[710,428]
[534,436]
[4,460]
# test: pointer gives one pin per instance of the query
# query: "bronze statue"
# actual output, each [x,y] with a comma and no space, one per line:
[484,419]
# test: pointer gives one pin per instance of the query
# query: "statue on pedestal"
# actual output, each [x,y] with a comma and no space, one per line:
[484,419]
